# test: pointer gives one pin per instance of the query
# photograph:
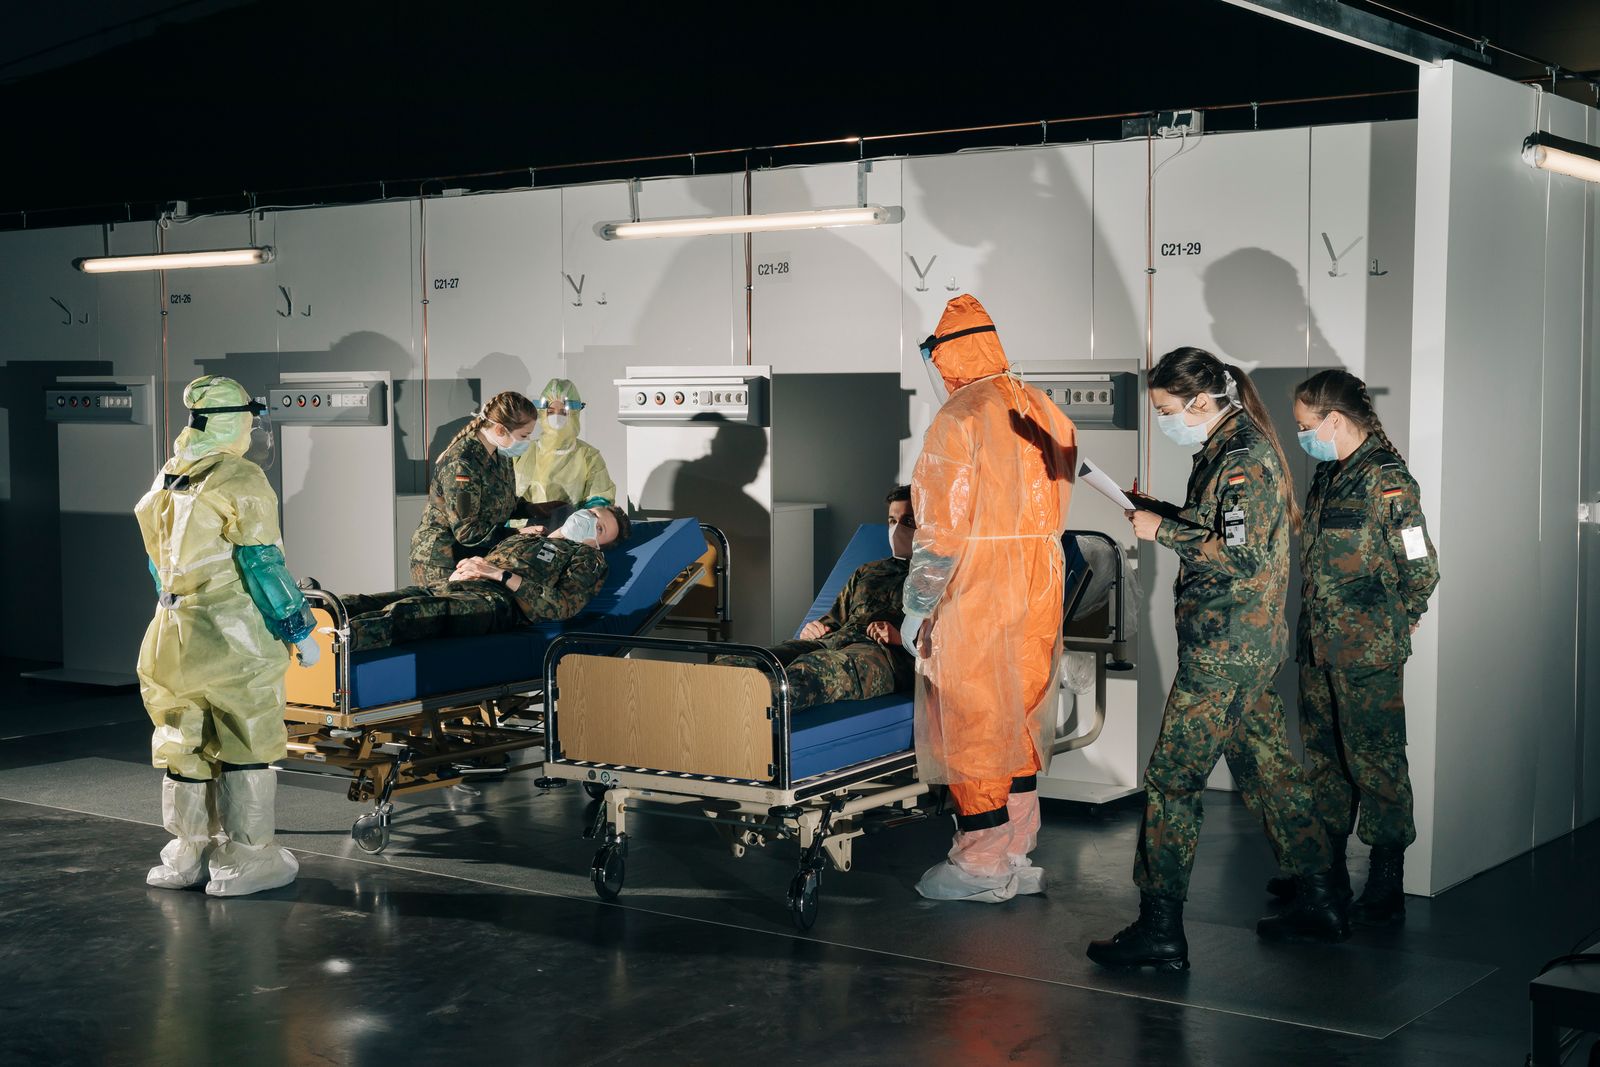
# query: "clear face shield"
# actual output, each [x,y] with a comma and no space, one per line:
[936,379]
[261,450]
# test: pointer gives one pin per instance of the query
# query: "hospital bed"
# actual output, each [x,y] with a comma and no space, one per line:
[705,741]
[425,714]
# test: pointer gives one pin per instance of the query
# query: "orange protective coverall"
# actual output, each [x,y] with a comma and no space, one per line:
[990,492]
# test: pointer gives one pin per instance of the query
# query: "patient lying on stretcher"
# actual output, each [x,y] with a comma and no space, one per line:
[526,578]
[854,652]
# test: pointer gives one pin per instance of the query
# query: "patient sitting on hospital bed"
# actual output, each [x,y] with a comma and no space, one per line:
[526,578]
[853,652]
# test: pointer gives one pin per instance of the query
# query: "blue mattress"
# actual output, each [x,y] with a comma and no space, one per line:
[831,737]
[640,572]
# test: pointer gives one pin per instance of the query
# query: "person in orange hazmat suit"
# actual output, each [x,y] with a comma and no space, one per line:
[983,602]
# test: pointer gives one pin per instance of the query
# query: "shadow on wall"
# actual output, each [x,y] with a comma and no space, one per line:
[1261,319]
[30,512]
[451,404]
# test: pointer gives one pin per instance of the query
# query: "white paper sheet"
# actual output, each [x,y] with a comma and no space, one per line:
[1103,483]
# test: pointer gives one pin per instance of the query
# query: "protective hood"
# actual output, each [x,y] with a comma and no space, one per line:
[971,355]
[224,433]
[554,438]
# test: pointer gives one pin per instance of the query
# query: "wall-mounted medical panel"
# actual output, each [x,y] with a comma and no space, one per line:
[827,301]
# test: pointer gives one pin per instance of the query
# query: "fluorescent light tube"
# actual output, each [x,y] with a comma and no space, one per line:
[222,257]
[826,218]
[1573,158]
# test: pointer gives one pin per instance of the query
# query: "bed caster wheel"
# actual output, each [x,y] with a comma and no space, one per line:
[610,867]
[803,893]
[549,783]
[595,790]
[371,832]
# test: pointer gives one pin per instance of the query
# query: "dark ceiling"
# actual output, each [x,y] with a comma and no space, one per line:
[267,97]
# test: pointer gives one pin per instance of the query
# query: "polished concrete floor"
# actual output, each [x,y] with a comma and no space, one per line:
[476,937]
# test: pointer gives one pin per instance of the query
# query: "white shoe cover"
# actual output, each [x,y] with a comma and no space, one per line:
[1024,824]
[251,860]
[188,814]
[946,881]
[977,869]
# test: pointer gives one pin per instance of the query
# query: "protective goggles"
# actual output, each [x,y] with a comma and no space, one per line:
[572,405]
[197,416]
[934,341]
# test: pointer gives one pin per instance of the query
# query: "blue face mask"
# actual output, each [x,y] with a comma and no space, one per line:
[1180,432]
[1318,449]
[516,448]
[582,526]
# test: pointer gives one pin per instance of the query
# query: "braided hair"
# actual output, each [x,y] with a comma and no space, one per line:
[1188,372]
[1339,390]
[509,409]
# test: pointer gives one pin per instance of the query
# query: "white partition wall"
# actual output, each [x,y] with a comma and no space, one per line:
[661,302]
[1500,741]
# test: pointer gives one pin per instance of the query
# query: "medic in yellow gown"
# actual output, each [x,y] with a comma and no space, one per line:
[983,602]
[211,669]
[560,468]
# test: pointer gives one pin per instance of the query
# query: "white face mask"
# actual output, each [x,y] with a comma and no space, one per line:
[900,540]
[582,526]
[556,420]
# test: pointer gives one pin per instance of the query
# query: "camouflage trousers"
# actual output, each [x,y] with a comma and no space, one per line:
[444,609]
[820,673]
[1232,712]
[1353,720]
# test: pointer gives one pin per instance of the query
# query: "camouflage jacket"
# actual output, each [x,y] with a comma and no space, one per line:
[1232,541]
[871,595]
[559,577]
[1367,563]
[470,497]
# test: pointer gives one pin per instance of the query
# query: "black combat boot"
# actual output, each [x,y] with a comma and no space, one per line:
[1283,886]
[1154,940]
[1317,914]
[1383,900]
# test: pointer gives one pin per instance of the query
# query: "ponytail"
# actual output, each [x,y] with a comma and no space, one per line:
[1250,398]
[1188,372]
[1341,391]
[509,409]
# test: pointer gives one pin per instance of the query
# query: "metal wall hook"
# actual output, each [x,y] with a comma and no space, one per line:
[951,285]
[922,272]
[307,312]
[64,310]
[602,300]
[577,288]
[287,300]
[1333,267]
[83,320]
[1375,272]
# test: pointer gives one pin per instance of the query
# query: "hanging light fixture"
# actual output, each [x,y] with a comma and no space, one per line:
[824,218]
[220,257]
[1546,151]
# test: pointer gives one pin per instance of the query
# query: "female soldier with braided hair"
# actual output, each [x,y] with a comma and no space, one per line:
[1367,569]
[474,488]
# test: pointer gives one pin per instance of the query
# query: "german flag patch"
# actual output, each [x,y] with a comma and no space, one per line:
[1390,494]
[1237,479]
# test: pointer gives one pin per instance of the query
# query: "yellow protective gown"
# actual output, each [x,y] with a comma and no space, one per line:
[559,466]
[210,672]
[990,492]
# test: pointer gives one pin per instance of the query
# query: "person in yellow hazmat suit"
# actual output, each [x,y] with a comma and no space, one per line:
[983,602]
[211,669]
[560,468]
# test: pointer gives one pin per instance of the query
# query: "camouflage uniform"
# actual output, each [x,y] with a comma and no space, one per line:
[1232,542]
[847,664]
[472,494]
[558,580]
[1369,568]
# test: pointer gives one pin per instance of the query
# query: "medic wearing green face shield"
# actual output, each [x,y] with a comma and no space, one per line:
[560,467]
[212,664]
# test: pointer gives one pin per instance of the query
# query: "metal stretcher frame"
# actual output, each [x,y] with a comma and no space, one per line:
[441,739]
[824,812]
